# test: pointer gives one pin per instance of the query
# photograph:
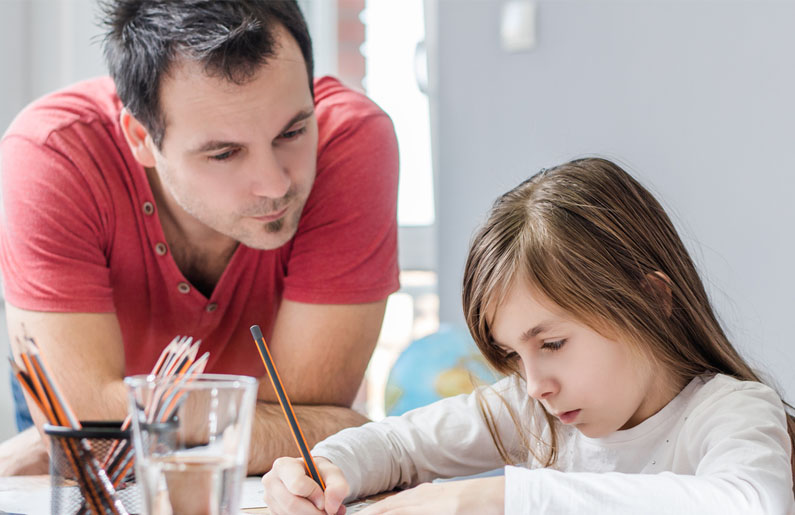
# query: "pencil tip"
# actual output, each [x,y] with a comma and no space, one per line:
[256,332]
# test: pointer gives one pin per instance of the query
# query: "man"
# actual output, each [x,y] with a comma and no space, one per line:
[211,185]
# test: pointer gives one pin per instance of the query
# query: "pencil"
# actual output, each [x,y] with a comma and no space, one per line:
[287,408]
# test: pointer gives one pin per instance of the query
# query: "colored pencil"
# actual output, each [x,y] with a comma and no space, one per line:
[287,408]
[98,490]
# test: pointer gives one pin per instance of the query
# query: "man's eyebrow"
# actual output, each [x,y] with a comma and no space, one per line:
[213,145]
[301,115]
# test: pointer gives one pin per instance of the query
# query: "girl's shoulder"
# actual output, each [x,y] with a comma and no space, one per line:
[736,399]
[713,386]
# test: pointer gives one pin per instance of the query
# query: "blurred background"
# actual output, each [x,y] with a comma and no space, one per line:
[694,97]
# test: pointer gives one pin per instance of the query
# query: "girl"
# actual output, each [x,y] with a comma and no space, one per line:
[623,393]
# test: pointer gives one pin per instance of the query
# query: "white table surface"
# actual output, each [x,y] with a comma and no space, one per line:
[30,495]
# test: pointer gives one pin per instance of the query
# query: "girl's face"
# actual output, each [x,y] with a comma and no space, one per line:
[587,380]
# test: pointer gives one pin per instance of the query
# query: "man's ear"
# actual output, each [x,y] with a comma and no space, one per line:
[659,284]
[138,139]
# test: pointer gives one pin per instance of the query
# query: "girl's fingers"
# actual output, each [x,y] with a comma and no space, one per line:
[281,502]
[336,486]
[287,478]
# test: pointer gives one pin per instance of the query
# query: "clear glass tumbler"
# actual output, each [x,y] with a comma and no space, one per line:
[191,441]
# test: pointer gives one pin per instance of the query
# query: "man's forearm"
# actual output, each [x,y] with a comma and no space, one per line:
[271,437]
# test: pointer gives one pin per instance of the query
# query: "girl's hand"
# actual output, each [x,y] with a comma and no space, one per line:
[476,496]
[289,490]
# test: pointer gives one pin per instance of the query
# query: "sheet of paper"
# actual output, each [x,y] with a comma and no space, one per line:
[354,507]
[254,494]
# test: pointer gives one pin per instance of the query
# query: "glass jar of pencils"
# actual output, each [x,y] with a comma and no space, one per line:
[92,470]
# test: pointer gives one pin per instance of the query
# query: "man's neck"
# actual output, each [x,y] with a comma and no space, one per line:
[200,252]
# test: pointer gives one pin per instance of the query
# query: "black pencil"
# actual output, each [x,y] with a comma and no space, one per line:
[287,408]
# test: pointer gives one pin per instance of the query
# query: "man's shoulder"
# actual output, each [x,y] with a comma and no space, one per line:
[87,102]
[336,102]
[347,118]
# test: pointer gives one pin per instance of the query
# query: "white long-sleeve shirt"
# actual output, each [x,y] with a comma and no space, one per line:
[720,446]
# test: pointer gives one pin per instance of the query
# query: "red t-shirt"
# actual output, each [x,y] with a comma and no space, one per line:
[79,232]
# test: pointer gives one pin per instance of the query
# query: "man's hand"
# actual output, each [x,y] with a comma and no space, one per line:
[24,455]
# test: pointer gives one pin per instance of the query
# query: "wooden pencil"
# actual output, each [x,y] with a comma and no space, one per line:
[287,408]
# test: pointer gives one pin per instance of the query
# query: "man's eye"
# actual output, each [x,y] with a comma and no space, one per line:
[293,134]
[223,156]
[553,345]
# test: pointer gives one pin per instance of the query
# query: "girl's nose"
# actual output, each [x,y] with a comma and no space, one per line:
[540,385]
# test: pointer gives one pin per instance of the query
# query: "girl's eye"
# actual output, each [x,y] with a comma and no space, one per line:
[553,345]
[223,156]
[508,354]
[293,134]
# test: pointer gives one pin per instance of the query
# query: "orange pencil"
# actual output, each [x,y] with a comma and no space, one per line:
[287,408]
[26,383]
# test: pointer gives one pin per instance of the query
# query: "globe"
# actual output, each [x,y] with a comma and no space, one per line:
[440,365]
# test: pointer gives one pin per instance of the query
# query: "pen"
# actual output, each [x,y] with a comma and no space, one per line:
[287,408]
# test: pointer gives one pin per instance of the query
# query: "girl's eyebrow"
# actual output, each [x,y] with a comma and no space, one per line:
[535,331]
[528,335]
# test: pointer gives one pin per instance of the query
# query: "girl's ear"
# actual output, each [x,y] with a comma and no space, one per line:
[659,285]
[138,139]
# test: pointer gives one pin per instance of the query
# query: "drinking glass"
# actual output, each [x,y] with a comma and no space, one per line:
[191,439]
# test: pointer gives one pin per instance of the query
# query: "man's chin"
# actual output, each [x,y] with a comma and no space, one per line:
[274,234]
[269,240]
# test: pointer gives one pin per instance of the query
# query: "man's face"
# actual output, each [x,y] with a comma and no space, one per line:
[596,384]
[241,159]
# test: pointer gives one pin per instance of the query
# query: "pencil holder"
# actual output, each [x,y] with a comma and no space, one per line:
[92,470]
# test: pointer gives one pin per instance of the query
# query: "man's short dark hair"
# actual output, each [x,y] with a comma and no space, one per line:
[231,38]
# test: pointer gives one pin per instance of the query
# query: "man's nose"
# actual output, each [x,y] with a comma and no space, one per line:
[270,177]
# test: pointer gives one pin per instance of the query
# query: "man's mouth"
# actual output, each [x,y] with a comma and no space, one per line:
[272,216]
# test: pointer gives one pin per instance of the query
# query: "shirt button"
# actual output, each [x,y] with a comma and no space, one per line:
[212,306]
[161,248]
[183,287]
[149,208]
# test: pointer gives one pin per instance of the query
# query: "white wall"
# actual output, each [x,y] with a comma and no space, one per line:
[695,97]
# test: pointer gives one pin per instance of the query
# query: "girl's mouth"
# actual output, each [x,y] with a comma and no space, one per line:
[569,416]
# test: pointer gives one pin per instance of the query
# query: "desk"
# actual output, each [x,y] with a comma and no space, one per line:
[31,495]
[25,494]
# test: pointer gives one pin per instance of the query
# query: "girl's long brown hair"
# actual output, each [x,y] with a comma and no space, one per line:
[589,237]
